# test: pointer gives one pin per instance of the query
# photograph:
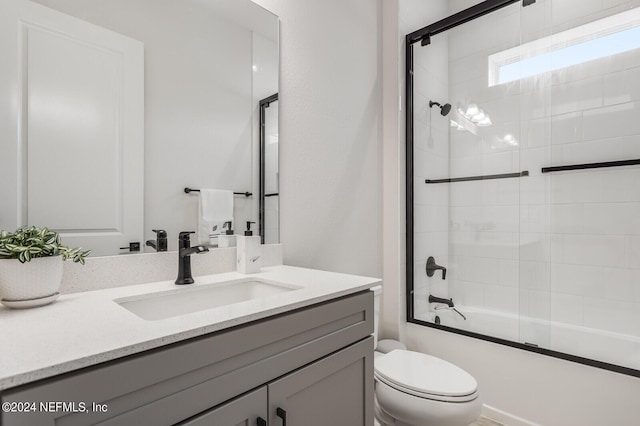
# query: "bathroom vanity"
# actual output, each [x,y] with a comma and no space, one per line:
[302,357]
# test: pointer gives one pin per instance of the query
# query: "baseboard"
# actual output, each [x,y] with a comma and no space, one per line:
[503,417]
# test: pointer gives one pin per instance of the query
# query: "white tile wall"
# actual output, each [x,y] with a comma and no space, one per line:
[633,252]
[566,128]
[534,275]
[535,132]
[617,88]
[535,304]
[567,308]
[612,121]
[566,12]
[501,298]
[581,280]
[508,272]
[597,150]
[467,293]
[585,249]
[534,218]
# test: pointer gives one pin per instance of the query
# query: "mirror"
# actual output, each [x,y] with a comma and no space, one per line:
[116,106]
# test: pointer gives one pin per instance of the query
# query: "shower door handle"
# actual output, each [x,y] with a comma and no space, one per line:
[432,267]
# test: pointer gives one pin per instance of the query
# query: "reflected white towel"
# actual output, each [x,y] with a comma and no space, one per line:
[215,208]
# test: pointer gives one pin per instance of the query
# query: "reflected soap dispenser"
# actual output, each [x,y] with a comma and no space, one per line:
[248,252]
[227,239]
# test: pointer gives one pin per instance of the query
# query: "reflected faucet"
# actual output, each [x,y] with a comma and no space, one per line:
[184,257]
[160,243]
[448,302]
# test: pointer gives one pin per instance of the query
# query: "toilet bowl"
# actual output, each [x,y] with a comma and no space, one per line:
[416,389]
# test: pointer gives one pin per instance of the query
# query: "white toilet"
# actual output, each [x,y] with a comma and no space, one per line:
[415,389]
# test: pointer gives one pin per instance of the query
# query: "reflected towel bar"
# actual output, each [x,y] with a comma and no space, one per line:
[484,177]
[591,166]
[246,194]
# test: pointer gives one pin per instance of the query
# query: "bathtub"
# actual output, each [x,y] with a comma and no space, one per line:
[600,345]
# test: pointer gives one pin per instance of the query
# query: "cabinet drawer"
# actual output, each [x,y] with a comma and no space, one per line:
[173,380]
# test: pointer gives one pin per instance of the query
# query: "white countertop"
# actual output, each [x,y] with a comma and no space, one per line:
[84,329]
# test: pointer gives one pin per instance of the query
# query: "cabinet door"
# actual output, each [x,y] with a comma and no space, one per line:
[80,93]
[336,390]
[247,410]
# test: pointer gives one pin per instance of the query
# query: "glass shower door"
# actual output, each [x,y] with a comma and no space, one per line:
[594,183]
[468,174]
[526,180]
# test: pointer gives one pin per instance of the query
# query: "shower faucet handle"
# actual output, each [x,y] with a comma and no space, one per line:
[432,267]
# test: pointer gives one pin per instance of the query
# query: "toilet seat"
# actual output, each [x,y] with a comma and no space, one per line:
[425,376]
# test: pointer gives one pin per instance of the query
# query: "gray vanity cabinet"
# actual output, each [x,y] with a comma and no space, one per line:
[333,391]
[315,364]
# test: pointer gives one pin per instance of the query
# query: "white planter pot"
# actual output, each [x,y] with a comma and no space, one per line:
[38,279]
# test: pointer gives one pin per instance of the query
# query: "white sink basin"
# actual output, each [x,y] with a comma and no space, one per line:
[193,298]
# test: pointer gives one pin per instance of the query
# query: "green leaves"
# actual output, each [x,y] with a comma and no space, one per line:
[31,242]
[76,254]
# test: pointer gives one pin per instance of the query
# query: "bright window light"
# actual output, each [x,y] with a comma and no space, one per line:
[599,39]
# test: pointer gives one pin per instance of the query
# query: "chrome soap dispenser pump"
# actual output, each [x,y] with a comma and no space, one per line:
[248,252]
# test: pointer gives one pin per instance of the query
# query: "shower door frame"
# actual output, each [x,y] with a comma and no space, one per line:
[423,36]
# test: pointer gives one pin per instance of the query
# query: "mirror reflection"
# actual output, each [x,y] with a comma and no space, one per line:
[116,106]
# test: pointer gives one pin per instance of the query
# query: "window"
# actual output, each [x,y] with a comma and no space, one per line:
[598,39]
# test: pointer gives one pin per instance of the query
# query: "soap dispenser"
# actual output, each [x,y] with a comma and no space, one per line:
[248,251]
[227,239]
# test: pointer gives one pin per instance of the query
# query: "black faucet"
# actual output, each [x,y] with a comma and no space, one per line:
[160,244]
[434,299]
[184,257]
[432,267]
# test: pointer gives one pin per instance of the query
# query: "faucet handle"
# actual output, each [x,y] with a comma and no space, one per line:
[160,233]
[432,267]
[161,240]
[183,239]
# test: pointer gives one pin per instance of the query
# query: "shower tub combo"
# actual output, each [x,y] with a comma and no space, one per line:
[523,177]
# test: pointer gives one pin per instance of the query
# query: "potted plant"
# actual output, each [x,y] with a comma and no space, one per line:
[31,266]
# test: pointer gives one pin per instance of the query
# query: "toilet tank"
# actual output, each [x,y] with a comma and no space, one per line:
[377,295]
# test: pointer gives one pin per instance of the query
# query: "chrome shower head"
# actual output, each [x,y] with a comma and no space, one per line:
[444,109]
